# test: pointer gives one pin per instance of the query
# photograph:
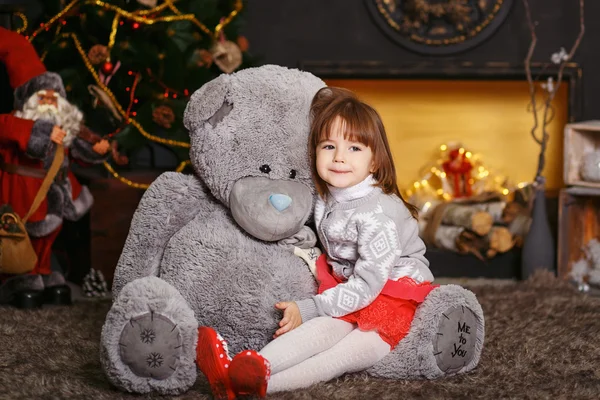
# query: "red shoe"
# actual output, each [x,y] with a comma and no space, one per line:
[249,374]
[213,360]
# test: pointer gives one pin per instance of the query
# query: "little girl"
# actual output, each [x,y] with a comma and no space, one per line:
[371,280]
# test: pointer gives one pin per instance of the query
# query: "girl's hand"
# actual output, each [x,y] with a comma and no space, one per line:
[291,317]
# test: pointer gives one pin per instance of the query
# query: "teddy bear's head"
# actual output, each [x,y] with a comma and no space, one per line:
[249,137]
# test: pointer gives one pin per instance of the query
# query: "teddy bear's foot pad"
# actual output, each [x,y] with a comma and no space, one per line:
[151,346]
[455,341]
[148,342]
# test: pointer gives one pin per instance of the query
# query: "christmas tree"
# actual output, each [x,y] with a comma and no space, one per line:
[130,66]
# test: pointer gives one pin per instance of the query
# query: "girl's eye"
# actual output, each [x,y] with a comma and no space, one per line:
[328,147]
[265,169]
[355,148]
[292,173]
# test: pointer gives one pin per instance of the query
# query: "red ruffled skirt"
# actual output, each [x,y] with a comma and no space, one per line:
[391,313]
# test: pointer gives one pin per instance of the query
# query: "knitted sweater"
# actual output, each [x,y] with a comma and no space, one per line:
[369,238]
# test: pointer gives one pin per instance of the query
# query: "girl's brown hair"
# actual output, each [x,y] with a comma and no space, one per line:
[362,124]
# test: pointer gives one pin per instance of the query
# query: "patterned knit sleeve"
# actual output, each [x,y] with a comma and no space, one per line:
[413,263]
[378,248]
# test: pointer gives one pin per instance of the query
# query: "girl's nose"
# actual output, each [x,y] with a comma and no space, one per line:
[338,157]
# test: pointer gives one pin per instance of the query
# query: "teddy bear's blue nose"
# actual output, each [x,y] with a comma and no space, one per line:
[280,201]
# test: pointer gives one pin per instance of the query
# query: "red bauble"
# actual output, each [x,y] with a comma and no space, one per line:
[108,67]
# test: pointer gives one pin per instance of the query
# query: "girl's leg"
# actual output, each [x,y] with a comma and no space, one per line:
[357,351]
[310,338]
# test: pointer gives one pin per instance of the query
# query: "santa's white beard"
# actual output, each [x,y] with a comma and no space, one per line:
[67,116]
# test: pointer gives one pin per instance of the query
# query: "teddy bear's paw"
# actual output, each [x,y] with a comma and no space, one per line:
[151,346]
[455,341]
[446,338]
[149,339]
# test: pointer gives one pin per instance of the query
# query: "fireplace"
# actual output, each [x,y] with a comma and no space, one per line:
[484,107]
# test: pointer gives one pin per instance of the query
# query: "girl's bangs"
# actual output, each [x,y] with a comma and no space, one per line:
[357,125]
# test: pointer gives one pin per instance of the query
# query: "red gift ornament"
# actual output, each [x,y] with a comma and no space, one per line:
[458,170]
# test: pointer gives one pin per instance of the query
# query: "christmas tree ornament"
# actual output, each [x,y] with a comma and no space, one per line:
[202,58]
[98,54]
[226,55]
[107,71]
[100,97]
[147,3]
[243,43]
[108,67]
[163,116]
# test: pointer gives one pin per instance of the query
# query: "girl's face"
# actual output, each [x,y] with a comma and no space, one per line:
[343,163]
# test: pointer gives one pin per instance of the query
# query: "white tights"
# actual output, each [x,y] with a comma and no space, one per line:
[321,349]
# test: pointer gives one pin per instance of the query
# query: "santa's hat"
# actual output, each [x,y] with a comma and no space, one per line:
[25,70]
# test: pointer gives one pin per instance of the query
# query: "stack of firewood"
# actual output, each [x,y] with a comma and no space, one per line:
[483,226]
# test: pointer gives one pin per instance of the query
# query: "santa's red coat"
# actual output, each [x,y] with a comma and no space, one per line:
[17,190]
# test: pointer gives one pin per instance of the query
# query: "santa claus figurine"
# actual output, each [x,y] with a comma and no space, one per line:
[43,118]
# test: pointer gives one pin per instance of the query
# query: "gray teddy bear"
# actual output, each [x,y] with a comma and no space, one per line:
[221,247]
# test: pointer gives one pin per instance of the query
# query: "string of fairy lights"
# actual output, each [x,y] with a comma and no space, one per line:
[435,185]
[137,19]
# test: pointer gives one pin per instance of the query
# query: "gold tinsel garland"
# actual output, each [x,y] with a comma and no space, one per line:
[23,21]
[140,17]
[136,185]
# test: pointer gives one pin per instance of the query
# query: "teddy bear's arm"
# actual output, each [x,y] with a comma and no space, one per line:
[170,203]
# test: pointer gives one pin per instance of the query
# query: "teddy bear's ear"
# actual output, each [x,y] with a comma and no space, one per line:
[208,104]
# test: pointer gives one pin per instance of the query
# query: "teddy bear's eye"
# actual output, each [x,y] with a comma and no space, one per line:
[265,169]
[292,173]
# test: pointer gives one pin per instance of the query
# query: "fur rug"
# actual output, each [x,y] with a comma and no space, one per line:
[541,342]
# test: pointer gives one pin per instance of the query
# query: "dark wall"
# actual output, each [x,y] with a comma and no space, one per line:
[286,32]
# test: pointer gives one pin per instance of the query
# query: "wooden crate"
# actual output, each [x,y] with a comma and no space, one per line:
[579,139]
[578,222]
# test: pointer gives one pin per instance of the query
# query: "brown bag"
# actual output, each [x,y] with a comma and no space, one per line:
[17,255]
